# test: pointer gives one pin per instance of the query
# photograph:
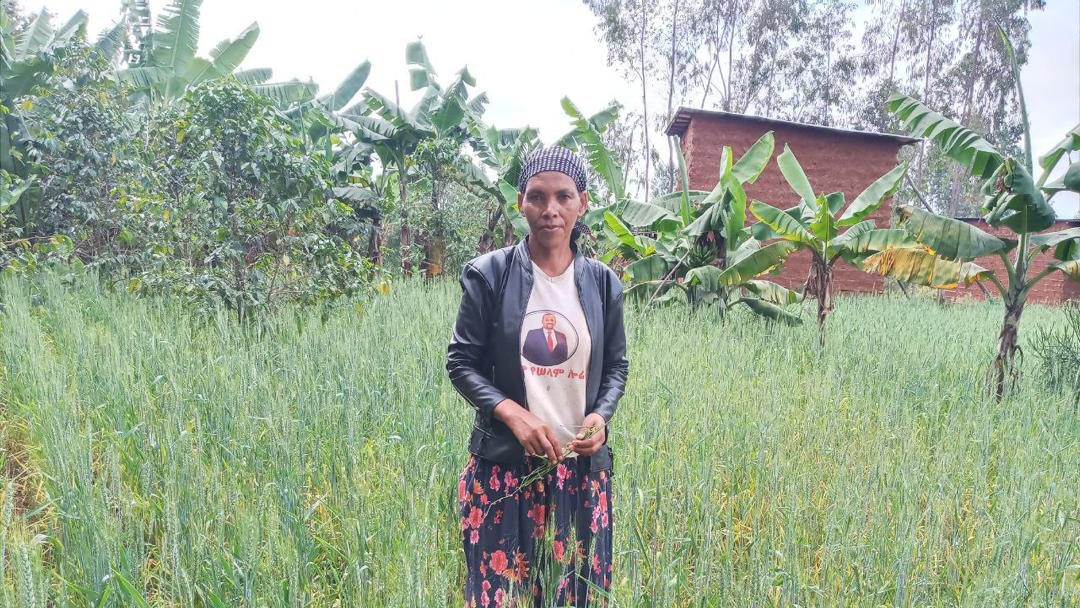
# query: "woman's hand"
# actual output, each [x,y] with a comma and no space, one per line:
[588,447]
[532,433]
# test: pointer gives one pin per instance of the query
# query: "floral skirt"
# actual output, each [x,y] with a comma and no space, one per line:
[554,534]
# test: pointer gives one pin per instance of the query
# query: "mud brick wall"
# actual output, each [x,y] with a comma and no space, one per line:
[834,161]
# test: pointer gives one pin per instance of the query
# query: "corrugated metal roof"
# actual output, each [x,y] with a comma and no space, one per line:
[681,121]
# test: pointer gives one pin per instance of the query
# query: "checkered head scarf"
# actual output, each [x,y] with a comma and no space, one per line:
[555,158]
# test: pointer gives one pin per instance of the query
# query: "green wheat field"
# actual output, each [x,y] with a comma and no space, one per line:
[152,458]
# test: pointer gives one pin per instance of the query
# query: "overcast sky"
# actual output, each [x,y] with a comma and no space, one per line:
[528,55]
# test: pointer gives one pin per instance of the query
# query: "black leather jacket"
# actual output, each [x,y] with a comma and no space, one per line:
[484,356]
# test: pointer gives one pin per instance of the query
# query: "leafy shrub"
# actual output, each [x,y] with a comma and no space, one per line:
[232,208]
[1058,350]
[83,152]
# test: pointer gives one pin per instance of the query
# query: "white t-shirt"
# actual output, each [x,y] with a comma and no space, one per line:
[555,347]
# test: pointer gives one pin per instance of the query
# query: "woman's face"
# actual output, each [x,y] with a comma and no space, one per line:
[551,204]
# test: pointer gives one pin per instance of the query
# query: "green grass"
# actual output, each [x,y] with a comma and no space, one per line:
[178,462]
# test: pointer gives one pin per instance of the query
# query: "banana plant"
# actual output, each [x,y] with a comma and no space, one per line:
[815,225]
[393,133]
[587,137]
[421,142]
[166,66]
[947,248]
[503,151]
[702,247]
[446,113]
[28,59]
[324,128]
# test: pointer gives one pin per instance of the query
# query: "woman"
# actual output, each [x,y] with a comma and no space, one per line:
[539,351]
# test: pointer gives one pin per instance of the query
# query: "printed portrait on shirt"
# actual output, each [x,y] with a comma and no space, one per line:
[550,339]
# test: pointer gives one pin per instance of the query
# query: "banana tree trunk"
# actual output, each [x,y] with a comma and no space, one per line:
[487,240]
[1004,368]
[508,232]
[1004,371]
[434,257]
[434,241]
[819,285]
[375,242]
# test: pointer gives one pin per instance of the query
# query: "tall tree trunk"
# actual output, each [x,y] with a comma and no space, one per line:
[929,57]
[434,240]
[896,42]
[926,90]
[643,25]
[406,232]
[976,66]
[671,90]
[828,83]
[708,80]
[729,82]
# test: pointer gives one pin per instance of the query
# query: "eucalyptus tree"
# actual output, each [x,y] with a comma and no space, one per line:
[629,30]
[946,249]
[945,53]
[814,225]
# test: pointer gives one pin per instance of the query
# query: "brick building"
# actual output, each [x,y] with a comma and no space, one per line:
[834,160]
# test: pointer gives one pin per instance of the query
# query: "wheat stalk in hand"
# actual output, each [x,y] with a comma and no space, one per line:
[539,472]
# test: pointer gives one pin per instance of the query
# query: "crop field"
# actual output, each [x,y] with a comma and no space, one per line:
[149,458]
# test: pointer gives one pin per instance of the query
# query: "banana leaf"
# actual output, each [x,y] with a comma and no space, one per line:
[950,238]
[770,311]
[781,222]
[1070,268]
[753,162]
[870,199]
[796,178]
[923,267]
[957,141]
[756,263]
[643,214]
[771,292]
[1066,243]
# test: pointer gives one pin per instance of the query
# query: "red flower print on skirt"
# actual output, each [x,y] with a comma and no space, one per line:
[502,541]
[476,517]
[498,562]
[562,473]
